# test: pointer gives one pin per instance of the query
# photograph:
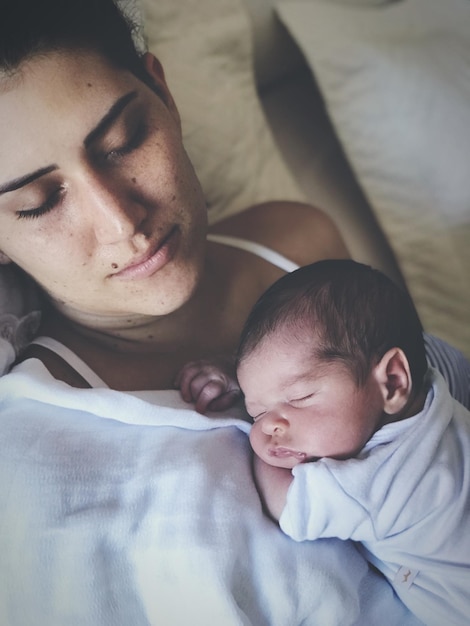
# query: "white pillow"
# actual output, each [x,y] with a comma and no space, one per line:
[206,49]
[276,56]
[396,81]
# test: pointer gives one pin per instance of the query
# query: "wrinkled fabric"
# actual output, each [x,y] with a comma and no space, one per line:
[406,498]
[121,509]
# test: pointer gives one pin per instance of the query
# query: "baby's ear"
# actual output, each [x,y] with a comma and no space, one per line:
[394,377]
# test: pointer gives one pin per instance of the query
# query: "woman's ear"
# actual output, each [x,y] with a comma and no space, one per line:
[394,378]
[4,259]
[153,67]
[156,73]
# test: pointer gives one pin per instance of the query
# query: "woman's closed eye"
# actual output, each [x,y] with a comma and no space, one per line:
[50,203]
[130,143]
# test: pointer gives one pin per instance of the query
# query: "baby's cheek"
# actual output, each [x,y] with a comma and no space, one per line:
[253,436]
[256,439]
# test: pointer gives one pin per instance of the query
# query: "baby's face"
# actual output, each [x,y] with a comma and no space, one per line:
[304,409]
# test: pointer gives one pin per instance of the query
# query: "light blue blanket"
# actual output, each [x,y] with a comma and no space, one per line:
[120,509]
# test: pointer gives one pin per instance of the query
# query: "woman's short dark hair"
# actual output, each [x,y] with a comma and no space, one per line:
[355,313]
[33,27]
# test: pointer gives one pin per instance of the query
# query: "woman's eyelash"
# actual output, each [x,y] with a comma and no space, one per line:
[133,143]
[44,208]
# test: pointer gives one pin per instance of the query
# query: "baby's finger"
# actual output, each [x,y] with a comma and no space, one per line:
[184,380]
[212,390]
[184,372]
[225,401]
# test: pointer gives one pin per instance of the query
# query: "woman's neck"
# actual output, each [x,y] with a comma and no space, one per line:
[138,333]
[147,352]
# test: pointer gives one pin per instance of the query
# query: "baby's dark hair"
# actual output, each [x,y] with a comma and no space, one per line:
[29,28]
[355,313]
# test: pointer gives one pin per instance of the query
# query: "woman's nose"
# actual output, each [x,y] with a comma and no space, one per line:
[114,214]
[274,424]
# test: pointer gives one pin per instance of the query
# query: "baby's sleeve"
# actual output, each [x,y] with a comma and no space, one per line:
[318,506]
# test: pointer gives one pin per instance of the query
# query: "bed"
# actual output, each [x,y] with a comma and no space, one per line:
[146,517]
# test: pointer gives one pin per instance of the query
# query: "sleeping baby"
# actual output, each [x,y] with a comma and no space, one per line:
[355,436]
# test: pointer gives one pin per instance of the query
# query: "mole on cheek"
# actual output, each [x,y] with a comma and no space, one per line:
[114,266]
[134,180]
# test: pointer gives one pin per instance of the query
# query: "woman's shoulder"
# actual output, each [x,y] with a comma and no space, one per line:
[299,231]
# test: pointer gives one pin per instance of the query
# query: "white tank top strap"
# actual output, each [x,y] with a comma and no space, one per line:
[257,249]
[71,359]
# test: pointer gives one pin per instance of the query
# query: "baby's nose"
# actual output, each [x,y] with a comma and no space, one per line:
[272,424]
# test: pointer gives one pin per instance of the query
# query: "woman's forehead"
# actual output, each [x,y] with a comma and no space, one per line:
[53,100]
[52,76]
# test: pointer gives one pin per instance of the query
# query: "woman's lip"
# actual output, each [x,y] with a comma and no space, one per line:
[152,262]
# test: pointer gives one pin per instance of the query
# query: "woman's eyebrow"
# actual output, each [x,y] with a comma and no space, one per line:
[106,121]
[22,181]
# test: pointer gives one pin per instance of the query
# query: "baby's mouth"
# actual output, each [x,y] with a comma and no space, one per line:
[280,452]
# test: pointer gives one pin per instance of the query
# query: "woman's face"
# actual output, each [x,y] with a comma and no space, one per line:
[99,202]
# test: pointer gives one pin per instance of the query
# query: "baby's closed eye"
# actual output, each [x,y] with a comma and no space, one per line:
[302,401]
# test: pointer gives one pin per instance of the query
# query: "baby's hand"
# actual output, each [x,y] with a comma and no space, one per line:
[211,385]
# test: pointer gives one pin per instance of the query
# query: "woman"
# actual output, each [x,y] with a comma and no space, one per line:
[134,289]
[149,515]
